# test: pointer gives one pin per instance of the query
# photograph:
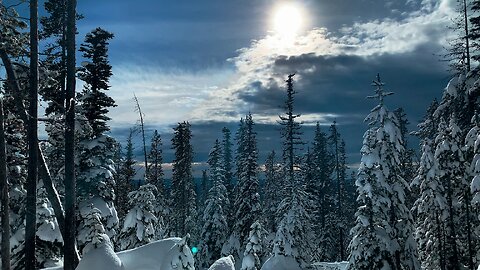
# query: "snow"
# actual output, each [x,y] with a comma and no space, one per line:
[280,262]
[330,266]
[151,256]
[162,254]
[224,263]
[102,257]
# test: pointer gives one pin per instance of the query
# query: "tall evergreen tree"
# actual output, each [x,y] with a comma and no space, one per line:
[474,34]
[383,234]
[320,192]
[270,193]
[215,229]
[124,182]
[96,72]
[183,203]
[247,199]
[291,134]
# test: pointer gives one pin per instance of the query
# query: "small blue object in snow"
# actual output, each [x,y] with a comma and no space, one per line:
[194,250]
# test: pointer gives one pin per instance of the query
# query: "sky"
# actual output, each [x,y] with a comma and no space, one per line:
[210,62]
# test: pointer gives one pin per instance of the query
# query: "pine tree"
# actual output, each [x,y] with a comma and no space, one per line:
[383,234]
[293,235]
[125,179]
[449,158]
[270,193]
[215,226]
[227,158]
[431,203]
[474,34]
[96,72]
[183,188]
[140,223]
[291,134]
[93,234]
[254,249]
[247,199]
[155,175]
[96,183]
[472,142]
[155,171]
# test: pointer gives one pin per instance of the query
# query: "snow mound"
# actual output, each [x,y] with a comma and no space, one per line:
[102,257]
[224,263]
[330,266]
[280,262]
[151,256]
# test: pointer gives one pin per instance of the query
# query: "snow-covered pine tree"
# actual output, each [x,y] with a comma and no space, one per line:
[430,204]
[293,235]
[215,228]
[95,182]
[472,142]
[407,165]
[294,229]
[253,254]
[183,196]
[155,177]
[125,178]
[337,223]
[449,158]
[383,234]
[247,199]
[270,198]
[93,233]
[140,223]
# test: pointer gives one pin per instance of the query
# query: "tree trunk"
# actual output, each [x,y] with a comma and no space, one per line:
[4,196]
[42,166]
[70,258]
[32,138]
[142,126]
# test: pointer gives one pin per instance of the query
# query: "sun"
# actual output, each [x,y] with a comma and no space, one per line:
[287,21]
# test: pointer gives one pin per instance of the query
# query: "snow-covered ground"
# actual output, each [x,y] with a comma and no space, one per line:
[330,266]
[165,254]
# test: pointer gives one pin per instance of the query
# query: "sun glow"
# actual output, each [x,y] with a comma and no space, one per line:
[287,21]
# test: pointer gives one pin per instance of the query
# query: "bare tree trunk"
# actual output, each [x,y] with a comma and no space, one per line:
[4,196]
[32,138]
[70,258]
[142,126]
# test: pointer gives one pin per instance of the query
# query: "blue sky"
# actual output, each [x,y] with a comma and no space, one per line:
[211,61]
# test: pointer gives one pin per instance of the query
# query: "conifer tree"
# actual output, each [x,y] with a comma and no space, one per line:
[254,249]
[215,227]
[96,72]
[155,174]
[383,234]
[474,34]
[140,224]
[449,158]
[291,134]
[247,199]
[183,203]
[270,191]
[124,183]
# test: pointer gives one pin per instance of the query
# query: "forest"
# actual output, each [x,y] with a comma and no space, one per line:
[72,200]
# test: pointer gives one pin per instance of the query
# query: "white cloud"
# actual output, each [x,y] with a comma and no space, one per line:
[213,95]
